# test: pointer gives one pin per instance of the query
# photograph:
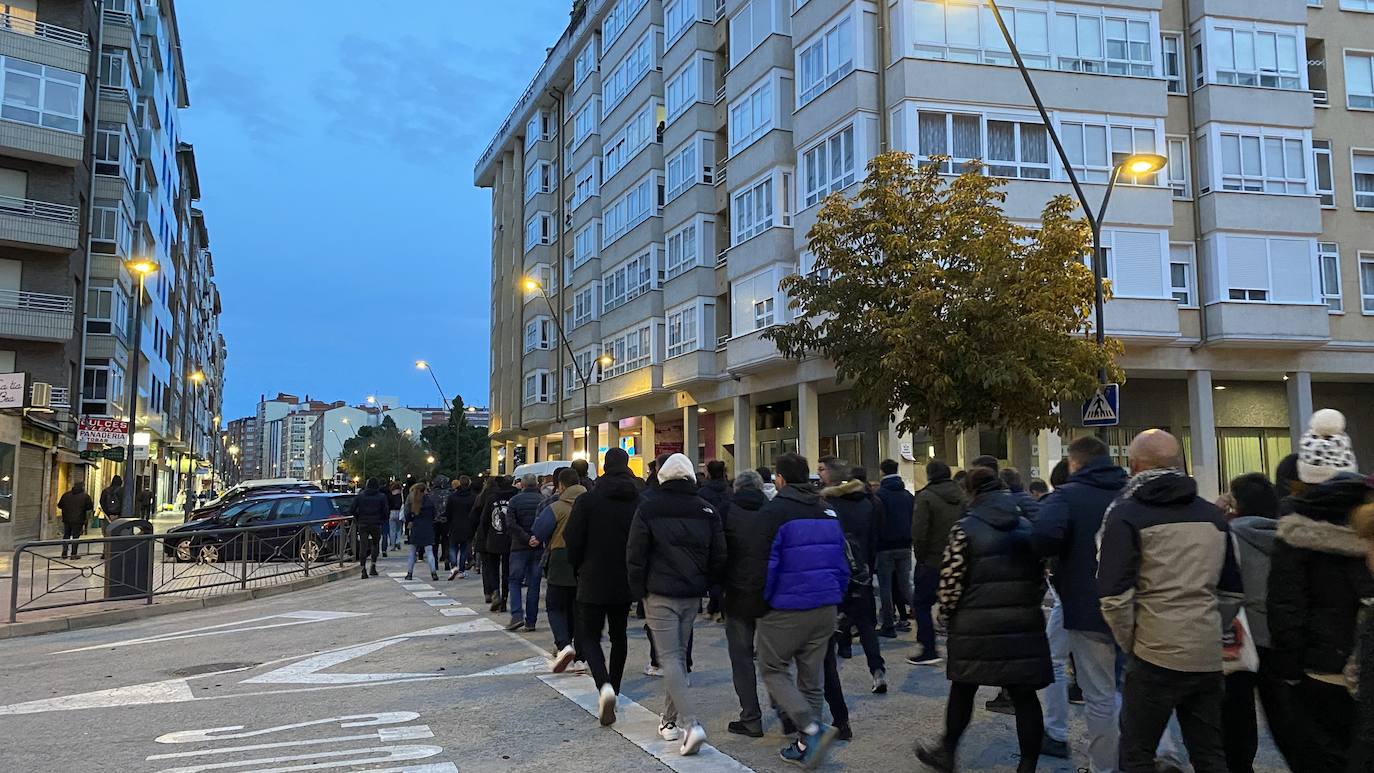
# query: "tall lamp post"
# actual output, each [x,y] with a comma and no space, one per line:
[234,461]
[605,360]
[141,267]
[1139,164]
[453,416]
[196,378]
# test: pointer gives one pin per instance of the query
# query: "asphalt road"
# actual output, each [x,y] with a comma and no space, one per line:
[378,675]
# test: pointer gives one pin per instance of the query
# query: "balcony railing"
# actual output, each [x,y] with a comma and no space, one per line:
[61,397]
[39,29]
[117,17]
[37,316]
[41,210]
[722,342]
[1321,98]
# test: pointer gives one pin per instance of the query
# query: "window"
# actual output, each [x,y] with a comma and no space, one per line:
[630,279]
[586,184]
[1177,168]
[538,230]
[543,274]
[618,19]
[757,302]
[639,131]
[955,30]
[684,87]
[585,306]
[540,178]
[1172,46]
[1352,5]
[634,207]
[1359,81]
[538,387]
[685,247]
[39,95]
[761,205]
[636,64]
[539,128]
[1362,168]
[1181,273]
[585,367]
[1321,164]
[538,334]
[1016,148]
[1329,261]
[692,164]
[1255,268]
[1367,283]
[585,122]
[678,15]
[107,307]
[586,242]
[630,350]
[684,324]
[1253,55]
[586,61]
[102,383]
[1093,148]
[756,20]
[751,116]
[828,167]
[1091,42]
[825,60]
[114,151]
[1262,163]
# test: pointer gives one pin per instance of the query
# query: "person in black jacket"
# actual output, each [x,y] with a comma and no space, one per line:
[991,587]
[395,500]
[747,542]
[598,529]
[676,550]
[525,553]
[861,517]
[76,508]
[494,540]
[716,490]
[370,510]
[112,499]
[894,567]
[462,524]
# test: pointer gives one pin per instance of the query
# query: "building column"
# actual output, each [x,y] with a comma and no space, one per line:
[1049,449]
[591,447]
[744,434]
[612,438]
[494,460]
[1299,404]
[531,445]
[1203,431]
[890,444]
[510,458]
[568,444]
[808,422]
[543,448]
[646,439]
[691,432]
[969,447]
[1020,454]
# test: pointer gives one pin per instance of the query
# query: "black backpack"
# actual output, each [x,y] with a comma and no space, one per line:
[110,500]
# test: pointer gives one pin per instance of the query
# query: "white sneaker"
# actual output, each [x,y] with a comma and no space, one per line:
[652,670]
[606,706]
[693,739]
[668,731]
[563,658]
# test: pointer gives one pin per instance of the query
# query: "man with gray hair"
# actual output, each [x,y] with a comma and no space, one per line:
[747,542]
[525,553]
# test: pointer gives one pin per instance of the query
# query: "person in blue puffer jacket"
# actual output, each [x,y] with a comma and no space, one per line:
[807,576]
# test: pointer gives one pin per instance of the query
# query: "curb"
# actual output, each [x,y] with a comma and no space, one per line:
[117,616]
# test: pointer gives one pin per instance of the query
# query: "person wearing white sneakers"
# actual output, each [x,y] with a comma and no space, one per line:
[561,599]
[675,553]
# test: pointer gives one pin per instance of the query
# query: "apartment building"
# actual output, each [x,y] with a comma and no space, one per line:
[659,176]
[241,443]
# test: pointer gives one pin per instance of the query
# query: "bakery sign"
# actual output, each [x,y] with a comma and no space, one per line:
[108,431]
[12,394]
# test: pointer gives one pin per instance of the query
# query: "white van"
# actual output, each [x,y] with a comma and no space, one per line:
[545,469]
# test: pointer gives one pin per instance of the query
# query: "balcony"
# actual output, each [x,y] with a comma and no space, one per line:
[1142,319]
[38,225]
[36,316]
[119,29]
[1268,325]
[44,43]
[61,398]
[1253,105]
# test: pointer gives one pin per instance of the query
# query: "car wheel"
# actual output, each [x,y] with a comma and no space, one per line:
[310,550]
[185,550]
[209,554]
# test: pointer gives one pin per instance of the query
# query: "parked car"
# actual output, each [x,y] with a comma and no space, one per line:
[252,489]
[282,530]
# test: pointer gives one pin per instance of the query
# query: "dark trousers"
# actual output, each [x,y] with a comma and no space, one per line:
[591,620]
[653,650]
[442,550]
[71,531]
[1240,732]
[1030,722]
[834,691]
[739,642]
[369,541]
[496,574]
[1150,695]
[857,612]
[1327,724]
[923,593]
[560,601]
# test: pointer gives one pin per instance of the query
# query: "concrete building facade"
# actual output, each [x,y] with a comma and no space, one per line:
[660,174]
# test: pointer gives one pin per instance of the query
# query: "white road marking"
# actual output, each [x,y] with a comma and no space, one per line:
[536,665]
[639,726]
[308,671]
[427,594]
[444,602]
[417,586]
[384,735]
[455,611]
[234,732]
[169,691]
[392,754]
[300,617]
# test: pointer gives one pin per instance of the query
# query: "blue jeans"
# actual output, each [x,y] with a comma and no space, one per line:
[525,571]
[462,562]
[1056,696]
[890,561]
[429,558]
[395,532]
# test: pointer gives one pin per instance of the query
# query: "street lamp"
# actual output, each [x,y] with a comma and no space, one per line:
[531,285]
[453,417]
[1138,165]
[196,378]
[234,458]
[142,267]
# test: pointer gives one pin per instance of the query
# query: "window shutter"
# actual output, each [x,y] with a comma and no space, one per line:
[1291,263]
[1139,269]
[1247,263]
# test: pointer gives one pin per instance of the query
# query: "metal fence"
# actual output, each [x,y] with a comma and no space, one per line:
[54,574]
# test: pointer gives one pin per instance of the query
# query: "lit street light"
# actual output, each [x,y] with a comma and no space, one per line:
[457,428]
[605,360]
[142,267]
[196,378]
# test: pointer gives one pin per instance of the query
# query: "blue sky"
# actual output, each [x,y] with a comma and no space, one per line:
[335,146]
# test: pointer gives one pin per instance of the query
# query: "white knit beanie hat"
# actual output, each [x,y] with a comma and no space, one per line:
[1324,449]
[677,467]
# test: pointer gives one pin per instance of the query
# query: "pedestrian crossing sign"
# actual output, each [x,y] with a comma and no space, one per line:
[1103,410]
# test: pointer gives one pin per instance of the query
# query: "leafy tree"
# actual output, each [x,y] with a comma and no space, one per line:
[395,454]
[475,449]
[928,299]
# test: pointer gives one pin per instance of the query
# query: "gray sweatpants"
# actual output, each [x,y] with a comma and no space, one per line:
[784,637]
[670,621]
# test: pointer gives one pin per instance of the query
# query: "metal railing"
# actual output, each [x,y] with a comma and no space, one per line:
[1320,98]
[118,17]
[39,29]
[18,299]
[194,564]
[40,210]
[60,397]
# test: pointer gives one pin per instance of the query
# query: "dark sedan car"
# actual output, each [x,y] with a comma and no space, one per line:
[282,529]
[238,494]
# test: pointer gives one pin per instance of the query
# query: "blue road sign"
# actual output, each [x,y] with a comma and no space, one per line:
[1104,409]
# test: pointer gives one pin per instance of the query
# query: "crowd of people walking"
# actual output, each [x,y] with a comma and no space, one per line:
[1168,616]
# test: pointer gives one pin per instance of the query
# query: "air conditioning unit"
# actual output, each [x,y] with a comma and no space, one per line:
[40,395]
